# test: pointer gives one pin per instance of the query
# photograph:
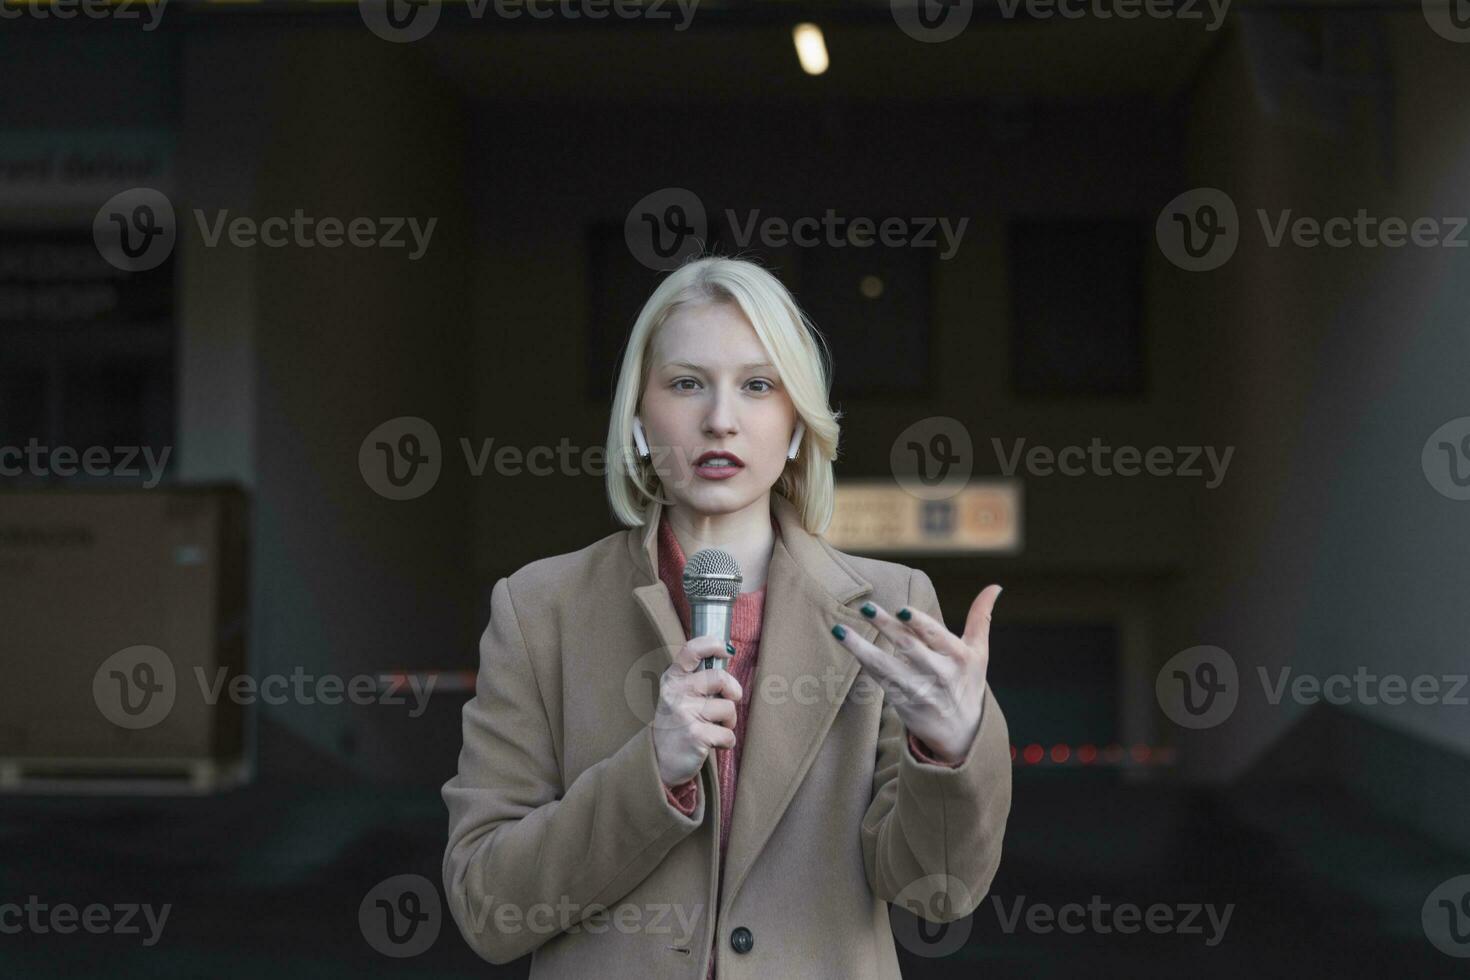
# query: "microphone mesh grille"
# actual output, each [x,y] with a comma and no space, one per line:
[711,572]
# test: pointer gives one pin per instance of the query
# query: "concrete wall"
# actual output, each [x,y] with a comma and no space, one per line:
[345,580]
[1329,550]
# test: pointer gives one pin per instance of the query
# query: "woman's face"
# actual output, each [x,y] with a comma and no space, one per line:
[711,387]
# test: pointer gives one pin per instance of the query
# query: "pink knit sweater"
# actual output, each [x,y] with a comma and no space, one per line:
[745,632]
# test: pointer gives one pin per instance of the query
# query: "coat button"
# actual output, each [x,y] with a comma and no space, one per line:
[741,939]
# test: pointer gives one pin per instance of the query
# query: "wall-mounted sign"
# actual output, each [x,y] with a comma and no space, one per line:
[67,170]
[878,516]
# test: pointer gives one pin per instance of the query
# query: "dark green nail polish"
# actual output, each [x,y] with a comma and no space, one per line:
[730,649]
[839,631]
[905,615]
[869,610]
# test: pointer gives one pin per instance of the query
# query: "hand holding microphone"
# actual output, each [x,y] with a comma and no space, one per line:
[696,710]
[696,700]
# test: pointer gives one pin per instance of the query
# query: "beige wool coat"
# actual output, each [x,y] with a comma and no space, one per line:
[563,844]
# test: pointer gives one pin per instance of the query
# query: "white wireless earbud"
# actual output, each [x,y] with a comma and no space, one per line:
[796,439]
[639,438]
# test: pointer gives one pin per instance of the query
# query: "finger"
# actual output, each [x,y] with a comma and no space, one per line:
[691,653]
[715,736]
[924,679]
[717,711]
[714,683]
[921,647]
[889,672]
[977,623]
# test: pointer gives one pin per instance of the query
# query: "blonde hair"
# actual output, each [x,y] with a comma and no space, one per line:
[796,348]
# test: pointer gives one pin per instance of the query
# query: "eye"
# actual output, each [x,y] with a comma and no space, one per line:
[680,381]
[769,386]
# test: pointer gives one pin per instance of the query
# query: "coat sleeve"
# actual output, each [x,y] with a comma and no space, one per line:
[932,834]
[528,857]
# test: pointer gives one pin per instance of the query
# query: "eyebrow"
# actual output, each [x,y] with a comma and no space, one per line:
[700,367]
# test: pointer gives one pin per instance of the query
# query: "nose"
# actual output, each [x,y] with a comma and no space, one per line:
[720,420]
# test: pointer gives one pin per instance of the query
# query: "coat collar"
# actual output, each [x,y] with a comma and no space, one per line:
[801,679]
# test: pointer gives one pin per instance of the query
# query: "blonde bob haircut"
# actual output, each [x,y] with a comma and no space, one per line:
[795,347]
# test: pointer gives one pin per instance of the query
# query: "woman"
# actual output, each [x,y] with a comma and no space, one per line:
[608,814]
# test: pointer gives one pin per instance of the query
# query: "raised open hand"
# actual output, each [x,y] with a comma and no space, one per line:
[934,679]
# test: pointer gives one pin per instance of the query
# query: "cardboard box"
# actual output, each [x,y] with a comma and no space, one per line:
[124,611]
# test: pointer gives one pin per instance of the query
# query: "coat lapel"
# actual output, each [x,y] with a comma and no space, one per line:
[808,587]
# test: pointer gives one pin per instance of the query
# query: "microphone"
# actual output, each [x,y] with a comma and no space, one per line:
[711,583]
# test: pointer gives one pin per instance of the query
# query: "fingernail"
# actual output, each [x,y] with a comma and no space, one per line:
[839,631]
[730,649]
[869,610]
[905,615]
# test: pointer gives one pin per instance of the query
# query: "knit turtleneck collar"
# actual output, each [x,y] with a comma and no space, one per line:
[745,625]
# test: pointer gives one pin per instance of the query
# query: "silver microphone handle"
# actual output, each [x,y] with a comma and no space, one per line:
[710,616]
